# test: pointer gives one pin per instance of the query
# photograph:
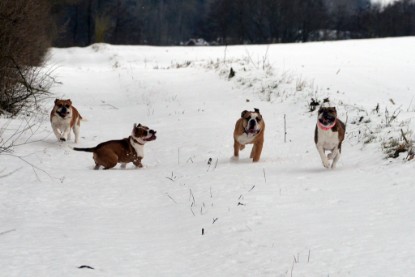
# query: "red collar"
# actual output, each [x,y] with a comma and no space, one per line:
[325,128]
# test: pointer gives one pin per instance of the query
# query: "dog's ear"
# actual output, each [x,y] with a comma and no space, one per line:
[56,100]
[256,110]
[135,125]
[139,125]
[70,102]
[243,113]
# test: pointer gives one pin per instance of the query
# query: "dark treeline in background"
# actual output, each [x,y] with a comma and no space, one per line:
[173,22]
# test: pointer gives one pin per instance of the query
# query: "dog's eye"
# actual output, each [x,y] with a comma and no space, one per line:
[67,106]
[59,105]
[258,119]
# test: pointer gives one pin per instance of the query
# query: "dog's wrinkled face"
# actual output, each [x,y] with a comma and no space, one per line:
[63,107]
[252,121]
[143,133]
[327,115]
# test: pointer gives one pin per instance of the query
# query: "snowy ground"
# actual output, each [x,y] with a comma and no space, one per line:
[283,216]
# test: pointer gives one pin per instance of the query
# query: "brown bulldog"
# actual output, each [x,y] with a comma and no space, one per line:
[249,129]
[127,150]
[63,118]
[329,135]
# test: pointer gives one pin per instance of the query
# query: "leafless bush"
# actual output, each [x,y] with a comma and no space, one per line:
[24,41]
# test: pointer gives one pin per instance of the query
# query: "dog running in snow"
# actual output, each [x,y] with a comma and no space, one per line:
[249,129]
[329,135]
[127,150]
[64,117]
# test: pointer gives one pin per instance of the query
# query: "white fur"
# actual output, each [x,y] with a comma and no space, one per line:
[139,149]
[62,127]
[245,138]
[328,141]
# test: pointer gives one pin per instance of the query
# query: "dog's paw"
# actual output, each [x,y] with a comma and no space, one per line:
[234,158]
[326,163]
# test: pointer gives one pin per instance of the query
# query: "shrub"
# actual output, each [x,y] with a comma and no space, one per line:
[25,36]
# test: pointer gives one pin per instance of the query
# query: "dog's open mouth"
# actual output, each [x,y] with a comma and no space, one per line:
[252,131]
[63,114]
[152,137]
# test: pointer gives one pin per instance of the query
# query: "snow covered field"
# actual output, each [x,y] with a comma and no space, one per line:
[283,216]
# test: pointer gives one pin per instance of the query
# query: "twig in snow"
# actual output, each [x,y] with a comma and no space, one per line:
[309,253]
[192,211]
[285,128]
[10,173]
[251,188]
[216,163]
[214,220]
[6,232]
[171,198]
[265,176]
[292,268]
[209,164]
[34,167]
[410,104]
[191,196]
[86,266]
[172,178]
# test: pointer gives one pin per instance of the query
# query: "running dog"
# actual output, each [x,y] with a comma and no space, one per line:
[249,129]
[63,118]
[127,150]
[329,135]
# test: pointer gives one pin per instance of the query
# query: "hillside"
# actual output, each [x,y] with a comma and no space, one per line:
[283,216]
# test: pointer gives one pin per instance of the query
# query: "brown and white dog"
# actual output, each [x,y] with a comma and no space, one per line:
[63,118]
[249,129]
[127,150]
[329,135]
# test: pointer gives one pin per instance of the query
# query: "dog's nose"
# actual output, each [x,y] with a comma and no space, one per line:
[153,132]
[252,122]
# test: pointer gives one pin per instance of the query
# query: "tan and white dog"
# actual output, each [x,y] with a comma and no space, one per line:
[329,135]
[249,129]
[127,150]
[64,117]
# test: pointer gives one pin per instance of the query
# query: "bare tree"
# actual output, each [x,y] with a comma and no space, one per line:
[24,41]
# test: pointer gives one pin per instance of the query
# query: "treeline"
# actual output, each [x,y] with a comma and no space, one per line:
[172,22]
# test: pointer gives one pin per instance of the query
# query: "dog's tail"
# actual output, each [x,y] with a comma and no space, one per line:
[91,149]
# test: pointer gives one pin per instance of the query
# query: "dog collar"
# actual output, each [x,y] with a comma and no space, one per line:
[136,141]
[325,128]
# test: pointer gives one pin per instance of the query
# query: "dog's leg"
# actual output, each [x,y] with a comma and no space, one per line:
[236,148]
[123,165]
[69,135]
[96,166]
[76,129]
[332,155]
[336,158]
[138,163]
[253,151]
[323,157]
[56,132]
[256,151]
[64,136]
